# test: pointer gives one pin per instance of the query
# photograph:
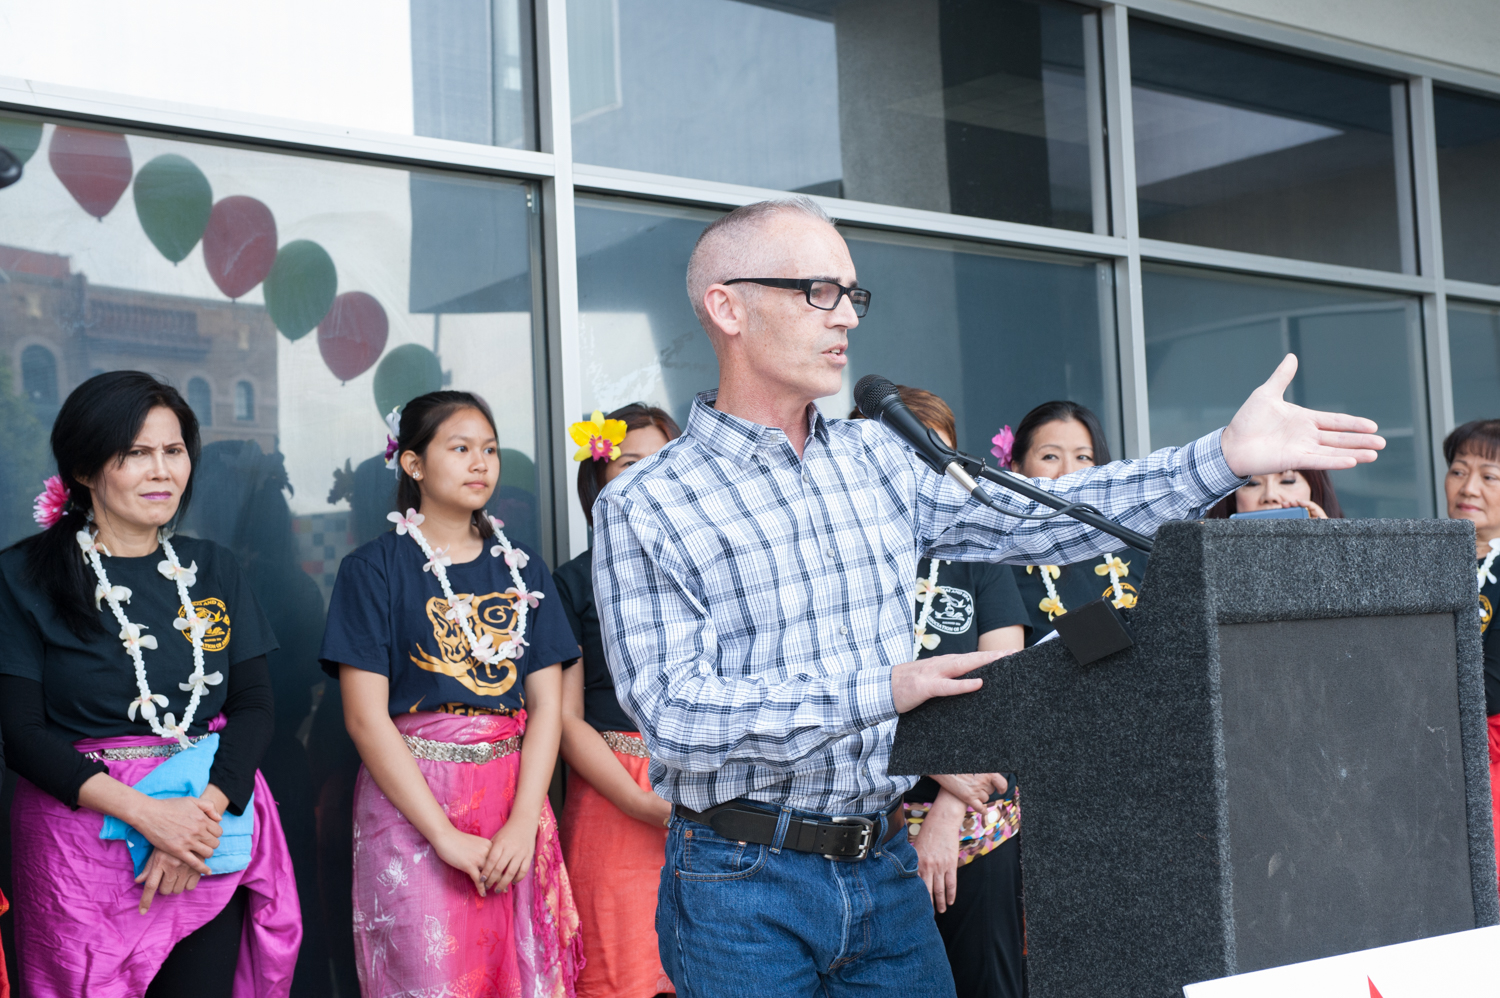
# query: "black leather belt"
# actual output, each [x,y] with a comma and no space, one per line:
[844,838]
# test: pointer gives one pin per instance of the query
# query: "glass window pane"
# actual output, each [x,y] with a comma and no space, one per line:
[919,104]
[311,297]
[1468,149]
[1474,355]
[1212,339]
[455,69]
[1000,331]
[1245,148]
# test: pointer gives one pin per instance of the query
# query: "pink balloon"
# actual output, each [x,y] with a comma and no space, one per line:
[239,245]
[352,335]
[94,166]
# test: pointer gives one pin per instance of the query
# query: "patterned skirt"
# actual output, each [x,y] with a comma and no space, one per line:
[421,930]
[981,832]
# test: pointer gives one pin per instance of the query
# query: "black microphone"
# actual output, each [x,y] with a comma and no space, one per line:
[880,400]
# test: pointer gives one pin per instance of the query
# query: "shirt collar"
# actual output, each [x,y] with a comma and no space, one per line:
[739,439]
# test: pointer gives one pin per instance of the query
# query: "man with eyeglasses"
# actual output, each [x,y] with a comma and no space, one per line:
[753,585]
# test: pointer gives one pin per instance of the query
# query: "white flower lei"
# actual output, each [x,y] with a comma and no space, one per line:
[134,640]
[927,589]
[1489,561]
[459,610]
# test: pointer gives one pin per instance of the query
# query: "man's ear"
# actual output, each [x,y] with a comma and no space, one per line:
[725,309]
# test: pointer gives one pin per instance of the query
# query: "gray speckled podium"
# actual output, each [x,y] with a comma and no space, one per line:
[1290,763]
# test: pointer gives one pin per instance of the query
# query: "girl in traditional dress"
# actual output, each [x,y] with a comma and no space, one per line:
[135,702]
[614,826]
[1053,440]
[447,641]
[1473,490]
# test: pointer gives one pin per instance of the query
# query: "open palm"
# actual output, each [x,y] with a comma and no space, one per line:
[1270,434]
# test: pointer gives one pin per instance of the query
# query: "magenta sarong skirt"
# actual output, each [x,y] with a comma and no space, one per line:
[79,930]
[420,926]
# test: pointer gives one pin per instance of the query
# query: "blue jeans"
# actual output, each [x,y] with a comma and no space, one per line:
[742,919]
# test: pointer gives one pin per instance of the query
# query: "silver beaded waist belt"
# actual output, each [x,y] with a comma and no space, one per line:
[624,744]
[139,751]
[477,753]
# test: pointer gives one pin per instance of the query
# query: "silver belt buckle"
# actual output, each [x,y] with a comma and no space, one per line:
[866,834]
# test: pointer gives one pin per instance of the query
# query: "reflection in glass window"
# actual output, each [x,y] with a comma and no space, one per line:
[458,69]
[317,295]
[1212,339]
[978,107]
[1468,150]
[472,71]
[1474,355]
[39,375]
[994,332]
[1250,149]
[244,401]
[201,397]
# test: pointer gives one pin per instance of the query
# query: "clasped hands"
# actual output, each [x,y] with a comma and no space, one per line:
[185,832]
[494,863]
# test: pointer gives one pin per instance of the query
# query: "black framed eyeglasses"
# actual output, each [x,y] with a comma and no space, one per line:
[820,294]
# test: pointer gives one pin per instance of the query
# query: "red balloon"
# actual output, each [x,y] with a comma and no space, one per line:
[94,166]
[239,245]
[351,336]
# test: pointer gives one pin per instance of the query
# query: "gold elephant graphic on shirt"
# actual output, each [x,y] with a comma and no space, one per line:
[495,615]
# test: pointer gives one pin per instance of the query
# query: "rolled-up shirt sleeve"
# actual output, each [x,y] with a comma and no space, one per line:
[661,645]
[1174,483]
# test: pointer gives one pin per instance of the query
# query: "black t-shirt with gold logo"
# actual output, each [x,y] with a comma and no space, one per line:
[1076,585]
[89,682]
[386,615]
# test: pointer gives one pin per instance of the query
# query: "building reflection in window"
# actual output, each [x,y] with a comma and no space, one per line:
[1245,148]
[1212,339]
[201,398]
[917,103]
[292,477]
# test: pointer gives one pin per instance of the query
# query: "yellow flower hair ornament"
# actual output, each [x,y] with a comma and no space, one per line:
[598,438]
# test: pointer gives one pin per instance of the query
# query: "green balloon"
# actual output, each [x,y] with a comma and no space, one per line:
[300,288]
[22,138]
[173,199]
[403,374]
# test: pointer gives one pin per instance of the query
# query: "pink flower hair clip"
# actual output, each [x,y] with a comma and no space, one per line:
[51,503]
[1003,442]
[393,425]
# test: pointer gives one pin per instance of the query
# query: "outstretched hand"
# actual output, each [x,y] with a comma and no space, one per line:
[1270,434]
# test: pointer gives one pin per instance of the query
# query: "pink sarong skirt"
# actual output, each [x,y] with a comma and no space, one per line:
[79,930]
[420,927]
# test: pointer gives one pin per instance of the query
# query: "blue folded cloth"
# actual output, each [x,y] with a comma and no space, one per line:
[186,775]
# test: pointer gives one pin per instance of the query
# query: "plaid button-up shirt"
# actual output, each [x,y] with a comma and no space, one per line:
[753,604]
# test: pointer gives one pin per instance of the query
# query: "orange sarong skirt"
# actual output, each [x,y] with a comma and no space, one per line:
[614,863]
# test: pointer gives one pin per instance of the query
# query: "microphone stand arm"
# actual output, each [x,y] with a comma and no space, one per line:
[964,469]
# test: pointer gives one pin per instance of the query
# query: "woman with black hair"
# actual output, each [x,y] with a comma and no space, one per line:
[1053,440]
[614,825]
[1312,490]
[1473,491]
[447,639]
[135,705]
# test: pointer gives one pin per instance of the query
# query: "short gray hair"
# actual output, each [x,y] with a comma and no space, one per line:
[725,248]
